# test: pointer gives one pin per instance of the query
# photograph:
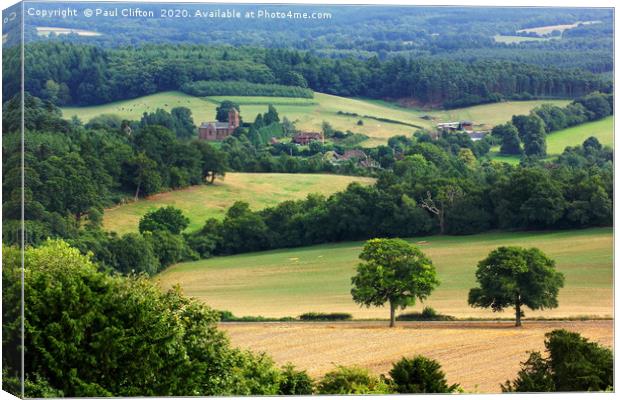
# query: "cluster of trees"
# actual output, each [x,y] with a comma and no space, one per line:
[525,134]
[428,191]
[241,88]
[84,75]
[73,172]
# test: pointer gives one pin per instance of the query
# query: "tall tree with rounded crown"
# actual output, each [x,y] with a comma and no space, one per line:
[393,272]
[516,277]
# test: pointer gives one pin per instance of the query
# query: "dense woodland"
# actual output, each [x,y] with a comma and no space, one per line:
[362,32]
[86,75]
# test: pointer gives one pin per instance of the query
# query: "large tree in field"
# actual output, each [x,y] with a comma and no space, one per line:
[393,272]
[516,277]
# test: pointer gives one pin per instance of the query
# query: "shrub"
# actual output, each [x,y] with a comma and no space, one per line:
[293,382]
[574,364]
[227,316]
[427,314]
[420,375]
[352,380]
[168,218]
[316,316]
[89,333]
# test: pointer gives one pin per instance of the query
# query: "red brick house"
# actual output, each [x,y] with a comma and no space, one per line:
[216,130]
[304,138]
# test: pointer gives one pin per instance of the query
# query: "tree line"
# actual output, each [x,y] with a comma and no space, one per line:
[66,73]
[242,88]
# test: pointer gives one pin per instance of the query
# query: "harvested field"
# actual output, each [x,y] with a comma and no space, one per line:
[478,355]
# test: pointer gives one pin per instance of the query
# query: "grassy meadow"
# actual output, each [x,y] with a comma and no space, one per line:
[201,202]
[290,282]
[309,114]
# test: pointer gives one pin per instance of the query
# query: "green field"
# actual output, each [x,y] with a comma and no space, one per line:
[309,114]
[517,39]
[603,130]
[293,281]
[557,141]
[199,203]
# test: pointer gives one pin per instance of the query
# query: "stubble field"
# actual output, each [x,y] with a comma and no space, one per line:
[478,355]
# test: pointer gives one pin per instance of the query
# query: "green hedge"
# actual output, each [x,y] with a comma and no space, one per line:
[314,316]
[243,88]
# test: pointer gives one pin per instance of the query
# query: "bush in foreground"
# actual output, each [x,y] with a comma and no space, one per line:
[574,364]
[88,333]
[420,375]
[352,380]
[294,382]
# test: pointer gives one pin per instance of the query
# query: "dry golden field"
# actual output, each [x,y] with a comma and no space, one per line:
[478,355]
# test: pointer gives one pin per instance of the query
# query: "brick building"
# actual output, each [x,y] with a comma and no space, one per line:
[216,130]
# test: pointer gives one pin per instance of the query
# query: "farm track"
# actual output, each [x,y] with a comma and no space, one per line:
[477,354]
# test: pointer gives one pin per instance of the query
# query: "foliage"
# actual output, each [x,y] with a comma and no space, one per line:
[100,75]
[127,336]
[315,316]
[240,88]
[393,272]
[427,314]
[351,380]
[419,375]
[294,382]
[169,219]
[514,276]
[573,364]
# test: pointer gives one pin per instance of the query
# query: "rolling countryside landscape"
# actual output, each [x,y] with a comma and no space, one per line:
[370,200]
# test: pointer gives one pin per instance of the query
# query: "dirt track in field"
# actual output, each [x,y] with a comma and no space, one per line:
[478,355]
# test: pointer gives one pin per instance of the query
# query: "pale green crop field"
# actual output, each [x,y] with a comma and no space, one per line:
[290,282]
[201,202]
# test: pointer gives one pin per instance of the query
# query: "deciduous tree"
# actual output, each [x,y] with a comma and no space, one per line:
[516,277]
[393,272]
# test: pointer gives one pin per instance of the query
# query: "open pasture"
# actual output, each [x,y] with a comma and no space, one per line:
[201,202]
[557,141]
[477,355]
[602,129]
[309,114]
[290,282]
